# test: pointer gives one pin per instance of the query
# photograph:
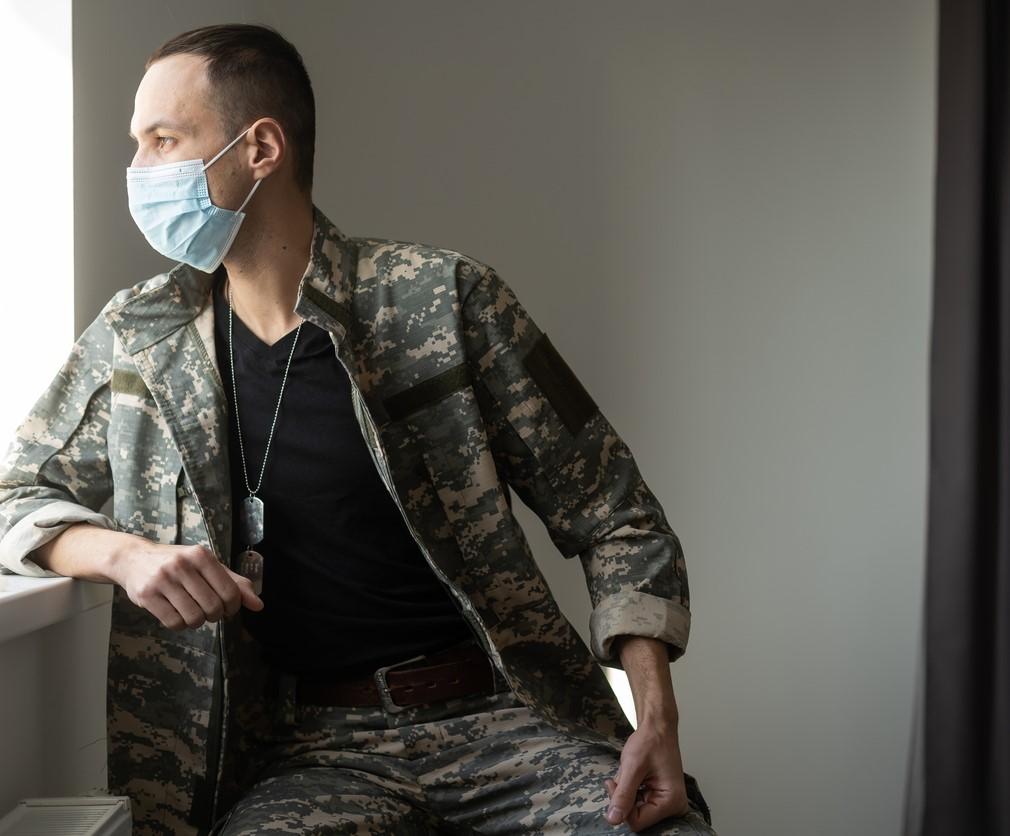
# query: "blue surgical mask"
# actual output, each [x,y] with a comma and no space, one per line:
[171,205]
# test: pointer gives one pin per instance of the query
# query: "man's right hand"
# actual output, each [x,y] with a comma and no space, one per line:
[182,586]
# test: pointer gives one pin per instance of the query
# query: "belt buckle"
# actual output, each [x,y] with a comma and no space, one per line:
[385,697]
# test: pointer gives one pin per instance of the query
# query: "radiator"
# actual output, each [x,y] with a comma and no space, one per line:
[103,815]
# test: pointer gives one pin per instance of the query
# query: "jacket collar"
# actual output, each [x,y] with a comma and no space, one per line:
[177,297]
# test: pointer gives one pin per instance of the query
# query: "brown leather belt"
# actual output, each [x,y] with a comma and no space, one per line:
[459,671]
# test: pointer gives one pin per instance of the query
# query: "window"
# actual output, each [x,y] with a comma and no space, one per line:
[36,219]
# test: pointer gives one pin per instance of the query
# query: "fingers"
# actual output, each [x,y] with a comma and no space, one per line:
[231,589]
[648,785]
[164,610]
[210,585]
[644,816]
[624,792]
[191,586]
[248,598]
[203,586]
[222,586]
[181,581]
[650,806]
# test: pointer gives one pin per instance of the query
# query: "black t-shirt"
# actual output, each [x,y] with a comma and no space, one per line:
[345,585]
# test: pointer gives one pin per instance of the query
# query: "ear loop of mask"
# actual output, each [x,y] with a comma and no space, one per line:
[217,156]
[256,185]
[223,150]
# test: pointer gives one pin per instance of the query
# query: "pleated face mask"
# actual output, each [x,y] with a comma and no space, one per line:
[171,205]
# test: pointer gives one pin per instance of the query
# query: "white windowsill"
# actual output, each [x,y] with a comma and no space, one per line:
[28,604]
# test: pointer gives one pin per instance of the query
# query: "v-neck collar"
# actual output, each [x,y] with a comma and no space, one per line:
[246,339]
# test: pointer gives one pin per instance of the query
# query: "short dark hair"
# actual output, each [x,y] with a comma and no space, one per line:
[255,72]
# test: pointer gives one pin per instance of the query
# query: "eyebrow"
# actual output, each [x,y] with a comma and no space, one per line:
[161,123]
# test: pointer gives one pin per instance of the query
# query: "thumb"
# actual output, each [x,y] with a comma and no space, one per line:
[623,799]
[249,598]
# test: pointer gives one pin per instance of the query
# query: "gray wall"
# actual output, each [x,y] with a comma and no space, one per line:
[721,213]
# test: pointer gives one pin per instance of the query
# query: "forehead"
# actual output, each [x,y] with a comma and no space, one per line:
[173,93]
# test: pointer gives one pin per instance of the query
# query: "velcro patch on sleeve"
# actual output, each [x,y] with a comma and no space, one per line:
[427,391]
[129,382]
[559,384]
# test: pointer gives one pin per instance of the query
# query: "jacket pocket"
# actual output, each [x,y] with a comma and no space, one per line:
[144,461]
[146,500]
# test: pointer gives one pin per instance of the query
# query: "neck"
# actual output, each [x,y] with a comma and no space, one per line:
[265,265]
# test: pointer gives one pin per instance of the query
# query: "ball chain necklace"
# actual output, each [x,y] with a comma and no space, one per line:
[251,510]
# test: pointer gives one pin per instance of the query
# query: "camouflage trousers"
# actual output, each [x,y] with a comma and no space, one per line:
[483,763]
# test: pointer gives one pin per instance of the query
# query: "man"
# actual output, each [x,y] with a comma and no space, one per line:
[327,451]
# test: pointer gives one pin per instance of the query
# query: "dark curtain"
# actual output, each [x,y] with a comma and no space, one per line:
[966,732]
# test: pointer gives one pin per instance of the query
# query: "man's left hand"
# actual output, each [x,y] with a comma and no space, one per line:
[649,783]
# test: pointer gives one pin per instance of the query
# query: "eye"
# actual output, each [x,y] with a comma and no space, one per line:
[160,138]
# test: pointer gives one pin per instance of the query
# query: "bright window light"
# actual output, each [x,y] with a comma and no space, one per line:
[36,217]
[618,680]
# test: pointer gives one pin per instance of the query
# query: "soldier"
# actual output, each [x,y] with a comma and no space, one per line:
[325,616]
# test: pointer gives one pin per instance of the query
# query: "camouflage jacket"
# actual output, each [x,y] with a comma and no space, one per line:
[459,397]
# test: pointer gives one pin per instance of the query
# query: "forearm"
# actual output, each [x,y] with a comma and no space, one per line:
[646,662]
[87,552]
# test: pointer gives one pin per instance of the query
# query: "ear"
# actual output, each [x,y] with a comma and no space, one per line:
[266,146]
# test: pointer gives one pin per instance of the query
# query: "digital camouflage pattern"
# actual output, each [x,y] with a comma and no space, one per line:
[482,763]
[458,393]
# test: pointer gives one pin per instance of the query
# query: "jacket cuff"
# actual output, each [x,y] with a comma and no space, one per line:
[635,613]
[38,528]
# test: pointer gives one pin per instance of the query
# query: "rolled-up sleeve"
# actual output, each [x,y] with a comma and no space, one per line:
[568,463]
[55,472]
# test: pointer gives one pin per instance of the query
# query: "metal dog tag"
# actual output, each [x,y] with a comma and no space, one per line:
[251,520]
[250,565]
